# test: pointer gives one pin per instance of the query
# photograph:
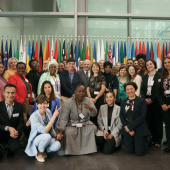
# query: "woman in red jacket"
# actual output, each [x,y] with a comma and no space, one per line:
[24,88]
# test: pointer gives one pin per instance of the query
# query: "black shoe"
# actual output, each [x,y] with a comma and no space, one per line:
[0,153]
[10,154]
[165,142]
[166,150]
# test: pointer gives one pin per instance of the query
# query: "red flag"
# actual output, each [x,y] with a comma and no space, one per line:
[136,50]
[143,48]
[36,51]
[48,51]
[151,53]
[40,58]
[164,53]
[140,49]
[56,52]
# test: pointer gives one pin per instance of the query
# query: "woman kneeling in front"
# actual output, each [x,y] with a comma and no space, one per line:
[108,137]
[132,115]
[42,136]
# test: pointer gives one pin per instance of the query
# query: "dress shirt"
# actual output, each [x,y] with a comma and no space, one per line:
[150,80]
[71,75]
[88,73]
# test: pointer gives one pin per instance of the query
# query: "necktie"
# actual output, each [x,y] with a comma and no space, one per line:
[87,74]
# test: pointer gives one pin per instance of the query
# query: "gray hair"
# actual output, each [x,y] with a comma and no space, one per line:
[115,66]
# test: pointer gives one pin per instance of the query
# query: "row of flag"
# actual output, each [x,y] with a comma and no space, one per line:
[113,51]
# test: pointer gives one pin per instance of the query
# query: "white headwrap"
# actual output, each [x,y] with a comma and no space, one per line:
[53,61]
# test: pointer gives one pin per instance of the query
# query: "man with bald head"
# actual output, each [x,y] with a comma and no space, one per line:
[85,72]
[45,64]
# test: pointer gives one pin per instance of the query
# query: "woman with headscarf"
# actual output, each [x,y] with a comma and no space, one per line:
[53,77]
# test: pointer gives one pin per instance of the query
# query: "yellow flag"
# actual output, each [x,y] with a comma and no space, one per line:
[45,53]
[91,53]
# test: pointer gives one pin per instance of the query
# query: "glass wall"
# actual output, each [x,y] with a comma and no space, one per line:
[65,6]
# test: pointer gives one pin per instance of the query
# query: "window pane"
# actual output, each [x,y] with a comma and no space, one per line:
[65,6]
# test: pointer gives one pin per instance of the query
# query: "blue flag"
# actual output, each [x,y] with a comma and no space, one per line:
[148,52]
[166,51]
[114,54]
[133,51]
[32,55]
[129,51]
[63,51]
[155,52]
[119,58]
[75,53]
[94,52]
[13,49]
[6,55]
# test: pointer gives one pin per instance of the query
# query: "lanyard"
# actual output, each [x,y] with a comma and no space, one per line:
[78,111]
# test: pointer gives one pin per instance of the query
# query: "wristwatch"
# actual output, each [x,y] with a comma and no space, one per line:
[96,97]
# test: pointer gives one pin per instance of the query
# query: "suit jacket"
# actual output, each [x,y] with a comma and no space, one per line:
[154,91]
[68,88]
[115,126]
[21,93]
[160,70]
[15,122]
[139,113]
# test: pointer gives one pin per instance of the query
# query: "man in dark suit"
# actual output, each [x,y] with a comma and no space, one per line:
[11,120]
[85,72]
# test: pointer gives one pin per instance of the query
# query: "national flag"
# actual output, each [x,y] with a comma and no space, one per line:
[94,52]
[68,50]
[169,48]
[40,57]
[75,54]
[136,50]
[10,50]
[133,51]
[6,55]
[110,53]
[102,57]
[63,51]
[163,51]
[91,53]
[106,51]
[117,52]
[71,50]
[155,52]
[151,52]
[56,52]
[166,50]
[87,50]
[59,52]
[45,52]
[13,49]
[79,51]
[129,51]
[36,51]
[98,52]
[143,48]
[113,54]
[52,49]
[48,51]
[83,51]
[21,58]
[17,51]
[121,53]
[125,56]
[140,49]
[148,51]
[2,50]
[32,54]
[25,53]
[28,56]
[159,63]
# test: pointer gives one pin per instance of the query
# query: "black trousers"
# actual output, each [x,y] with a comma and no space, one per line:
[27,130]
[166,119]
[155,122]
[107,146]
[12,143]
[135,144]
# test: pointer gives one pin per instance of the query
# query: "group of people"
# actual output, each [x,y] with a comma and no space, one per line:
[85,111]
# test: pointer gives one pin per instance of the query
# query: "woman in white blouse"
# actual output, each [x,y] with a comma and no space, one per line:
[134,77]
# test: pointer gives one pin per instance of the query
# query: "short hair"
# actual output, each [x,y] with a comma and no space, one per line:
[9,61]
[132,84]
[32,61]
[115,66]
[61,63]
[21,63]
[141,55]
[135,60]
[70,60]
[129,59]
[64,60]
[122,67]
[81,60]
[108,63]
[9,85]
[78,84]
[111,92]
[153,61]
[41,99]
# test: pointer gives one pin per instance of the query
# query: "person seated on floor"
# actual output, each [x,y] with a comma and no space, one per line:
[43,137]
[74,122]
[132,115]
[108,137]
[11,120]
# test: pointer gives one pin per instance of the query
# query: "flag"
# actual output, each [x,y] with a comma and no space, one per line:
[13,49]
[159,64]
[36,51]
[75,54]
[148,52]
[67,51]
[63,51]
[113,54]
[32,54]
[52,49]
[48,51]
[59,52]
[28,56]
[91,53]
[129,51]
[79,51]
[10,50]
[45,53]
[169,48]
[40,57]
[133,51]
[151,52]
[17,51]
[140,49]
[121,53]
[98,52]
[87,50]
[6,55]
[110,52]
[83,51]
[136,50]
[94,52]
[25,53]
[166,51]
[106,53]
[125,56]
[102,51]
[155,52]
[117,52]
[71,50]
[56,52]
[21,58]
[68,54]
[143,48]
[163,51]
[2,50]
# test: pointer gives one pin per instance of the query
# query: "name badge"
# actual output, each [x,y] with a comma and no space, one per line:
[109,128]
[79,125]
[28,95]
[26,80]
[96,92]
[81,115]
[16,115]
[167,91]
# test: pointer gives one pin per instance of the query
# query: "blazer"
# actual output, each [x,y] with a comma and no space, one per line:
[160,70]
[54,103]
[21,93]
[15,122]
[154,91]
[68,88]
[116,124]
[83,77]
[139,113]
[37,126]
